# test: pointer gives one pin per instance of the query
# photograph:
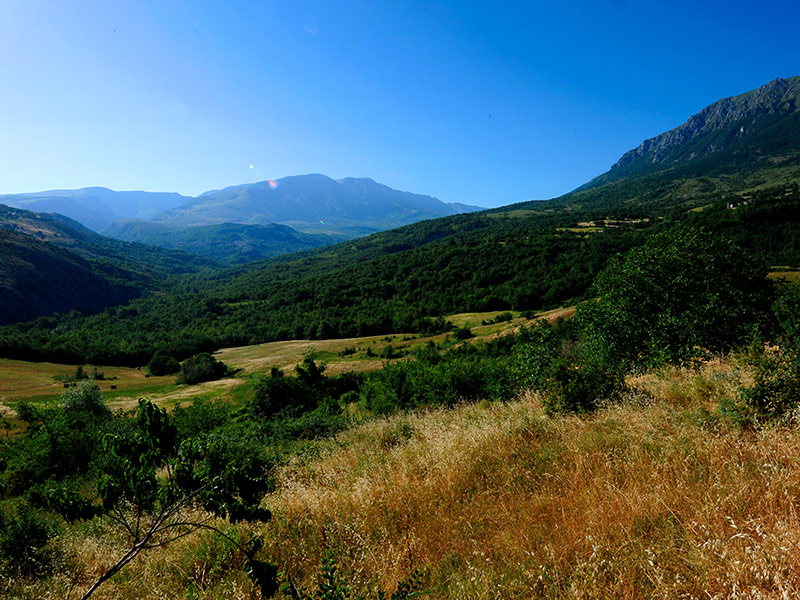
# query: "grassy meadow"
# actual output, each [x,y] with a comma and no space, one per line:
[654,496]
[123,386]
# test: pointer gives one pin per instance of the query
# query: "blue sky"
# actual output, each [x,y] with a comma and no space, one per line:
[485,103]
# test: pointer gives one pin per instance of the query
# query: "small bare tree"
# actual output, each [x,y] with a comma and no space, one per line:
[152,484]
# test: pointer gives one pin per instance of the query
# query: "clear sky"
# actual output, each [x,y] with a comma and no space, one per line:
[482,102]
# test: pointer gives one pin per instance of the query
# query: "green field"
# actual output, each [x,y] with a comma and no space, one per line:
[123,386]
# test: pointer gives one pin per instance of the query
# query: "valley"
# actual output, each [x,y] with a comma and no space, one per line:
[594,395]
[123,386]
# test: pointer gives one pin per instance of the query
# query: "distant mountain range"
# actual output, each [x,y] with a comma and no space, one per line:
[96,207]
[310,203]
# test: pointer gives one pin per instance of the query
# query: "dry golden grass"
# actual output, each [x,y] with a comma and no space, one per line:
[652,497]
[789,276]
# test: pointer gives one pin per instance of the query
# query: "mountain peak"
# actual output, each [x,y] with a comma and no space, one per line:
[717,127]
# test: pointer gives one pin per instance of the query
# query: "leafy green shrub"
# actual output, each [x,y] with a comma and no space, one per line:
[24,533]
[429,353]
[683,291]
[288,395]
[61,497]
[463,333]
[149,480]
[201,367]
[579,388]
[85,398]
[307,406]
[775,391]
[463,374]
[163,364]
[535,350]
[787,314]
[200,417]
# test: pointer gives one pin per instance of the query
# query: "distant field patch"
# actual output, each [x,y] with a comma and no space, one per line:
[123,386]
[580,229]
[790,276]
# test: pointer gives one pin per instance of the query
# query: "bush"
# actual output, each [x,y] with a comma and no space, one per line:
[683,292]
[787,314]
[434,379]
[201,367]
[200,417]
[274,395]
[463,333]
[24,533]
[579,388]
[536,349]
[163,364]
[85,398]
[775,391]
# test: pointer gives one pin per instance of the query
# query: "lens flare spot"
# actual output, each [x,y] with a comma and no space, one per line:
[272,184]
[251,166]
[321,221]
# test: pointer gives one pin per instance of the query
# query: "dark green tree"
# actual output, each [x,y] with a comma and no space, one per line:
[201,367]
[683,292]
[163,364]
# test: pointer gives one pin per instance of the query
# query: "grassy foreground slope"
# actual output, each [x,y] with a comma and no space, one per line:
[654,496]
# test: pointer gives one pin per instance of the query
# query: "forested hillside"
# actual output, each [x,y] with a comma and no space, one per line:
[230,243]
[396,281]
[54,264]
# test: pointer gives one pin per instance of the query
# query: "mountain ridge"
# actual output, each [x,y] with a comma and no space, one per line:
[311,203]
[748,123]
[526,256]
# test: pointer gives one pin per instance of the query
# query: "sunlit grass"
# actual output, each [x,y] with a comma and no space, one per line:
[655,496]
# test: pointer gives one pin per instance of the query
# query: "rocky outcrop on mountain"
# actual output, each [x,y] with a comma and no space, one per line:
[733,136]
[776,98]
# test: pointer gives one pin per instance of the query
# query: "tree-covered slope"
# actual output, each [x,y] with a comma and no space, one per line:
[37,278]
[230,243]
[54,264]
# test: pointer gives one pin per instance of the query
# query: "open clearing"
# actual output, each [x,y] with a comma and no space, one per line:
[123,386]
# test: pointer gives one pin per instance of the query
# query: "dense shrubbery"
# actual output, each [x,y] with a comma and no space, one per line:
[201,367]
[775,392]
[682,293]
[163,364]
[551,360]
[24,533]
[466,373]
